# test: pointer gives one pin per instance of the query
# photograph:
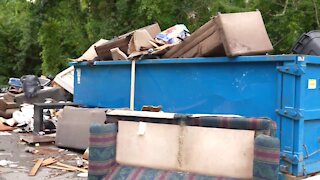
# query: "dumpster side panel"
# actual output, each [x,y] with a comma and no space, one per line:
[102,86]
[248,89]
[310,109]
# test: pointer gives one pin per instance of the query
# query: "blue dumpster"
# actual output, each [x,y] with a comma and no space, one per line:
[285,88]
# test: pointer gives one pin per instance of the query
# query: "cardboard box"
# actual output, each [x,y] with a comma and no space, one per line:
[122,42]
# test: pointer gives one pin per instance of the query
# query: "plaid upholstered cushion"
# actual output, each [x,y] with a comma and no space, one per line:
[266,157]
[120,172]
[102,150]
[261,125]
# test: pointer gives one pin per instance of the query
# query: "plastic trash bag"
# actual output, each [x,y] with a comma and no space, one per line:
[30,85]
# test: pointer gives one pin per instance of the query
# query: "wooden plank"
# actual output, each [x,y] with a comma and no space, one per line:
[48,161]
[35,168]
[61,168]
[32,139]
[71,167]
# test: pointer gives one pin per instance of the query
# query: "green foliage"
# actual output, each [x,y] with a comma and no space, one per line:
[39,37]
[19,48]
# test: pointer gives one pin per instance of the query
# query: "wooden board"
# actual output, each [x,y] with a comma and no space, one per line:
[71,167]
[48,161]
[35,168]
[32,139]
[61,168]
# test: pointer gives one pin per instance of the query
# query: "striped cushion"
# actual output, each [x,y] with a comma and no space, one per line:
[264,125]
[120,172]
[266,157]
[102,150]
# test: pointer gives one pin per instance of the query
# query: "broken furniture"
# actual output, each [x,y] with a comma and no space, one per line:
[104,141]
[232,34]
[38,113]
[73,126]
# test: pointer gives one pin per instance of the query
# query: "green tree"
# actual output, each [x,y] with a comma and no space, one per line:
[19,47]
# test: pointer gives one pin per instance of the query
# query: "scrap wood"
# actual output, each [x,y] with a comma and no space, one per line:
[71,167]
[151,108]
[61,168]
[48,161]
[45,151]
[35,168]
[33,139]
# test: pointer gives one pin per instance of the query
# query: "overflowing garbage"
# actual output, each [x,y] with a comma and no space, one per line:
[233,34]
[16,103]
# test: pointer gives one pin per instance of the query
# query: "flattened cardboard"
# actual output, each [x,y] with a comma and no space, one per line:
[152,29]
[90,53]
[103,50]
[140,39]
[122,42]
[117,54]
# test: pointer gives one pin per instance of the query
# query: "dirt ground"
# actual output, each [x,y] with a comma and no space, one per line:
[13,149]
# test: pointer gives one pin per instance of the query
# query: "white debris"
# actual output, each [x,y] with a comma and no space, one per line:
[82,175]
[25,116]
[4,163]
[5,134]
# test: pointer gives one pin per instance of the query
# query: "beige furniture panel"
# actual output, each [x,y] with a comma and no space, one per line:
[218,152]
[207,151]
[156,148]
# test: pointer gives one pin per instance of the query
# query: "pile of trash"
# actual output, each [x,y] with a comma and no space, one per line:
[231,35]
[16,103]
